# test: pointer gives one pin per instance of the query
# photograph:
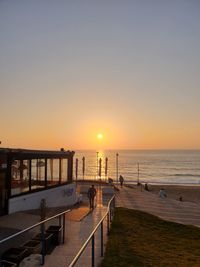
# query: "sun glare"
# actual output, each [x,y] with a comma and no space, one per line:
[99,135]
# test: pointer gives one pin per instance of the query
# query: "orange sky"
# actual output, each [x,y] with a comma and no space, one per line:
[71,70]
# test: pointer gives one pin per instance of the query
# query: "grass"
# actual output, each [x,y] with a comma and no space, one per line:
[141,239]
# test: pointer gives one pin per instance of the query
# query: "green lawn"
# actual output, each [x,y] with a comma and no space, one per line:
[140,239]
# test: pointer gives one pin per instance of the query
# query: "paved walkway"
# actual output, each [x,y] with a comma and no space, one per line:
[76,234]
[167,209]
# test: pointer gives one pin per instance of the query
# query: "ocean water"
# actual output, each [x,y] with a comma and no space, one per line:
[151,166]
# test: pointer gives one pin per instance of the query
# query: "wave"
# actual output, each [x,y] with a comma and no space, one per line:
[185,175]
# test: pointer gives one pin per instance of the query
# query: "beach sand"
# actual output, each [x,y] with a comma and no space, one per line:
[188,193]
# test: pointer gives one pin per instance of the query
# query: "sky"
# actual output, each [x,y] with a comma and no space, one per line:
[70,70]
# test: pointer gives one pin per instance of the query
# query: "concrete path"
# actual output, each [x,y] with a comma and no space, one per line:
[167,209]
[77,233]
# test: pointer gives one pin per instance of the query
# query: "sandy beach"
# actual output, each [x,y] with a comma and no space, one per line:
[188,193]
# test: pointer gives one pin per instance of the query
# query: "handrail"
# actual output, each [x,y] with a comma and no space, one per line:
[33,226]
[91,235]
[42,224]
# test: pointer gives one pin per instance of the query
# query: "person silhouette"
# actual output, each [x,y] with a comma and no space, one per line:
[162,193]
[91,195]
[121,180]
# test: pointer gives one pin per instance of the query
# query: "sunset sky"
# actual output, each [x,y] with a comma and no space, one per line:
[129,70]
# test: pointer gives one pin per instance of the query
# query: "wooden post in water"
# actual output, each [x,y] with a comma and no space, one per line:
[83,169]
[76,169]
[106,168]
[100,160]
[138,181]
[97,163]
[117,155]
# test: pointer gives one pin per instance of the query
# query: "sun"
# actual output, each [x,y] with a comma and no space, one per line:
[100,136]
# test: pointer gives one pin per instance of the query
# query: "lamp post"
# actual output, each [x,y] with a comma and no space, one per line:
[138,181]
[117,155]
[76,169]
[106,168]
[100,160]
[97,162]
[83,169]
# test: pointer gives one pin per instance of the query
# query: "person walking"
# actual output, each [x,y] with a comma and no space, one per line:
[91,195]
[121,179]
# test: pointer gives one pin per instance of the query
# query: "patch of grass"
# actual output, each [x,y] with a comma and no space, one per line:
[141,239]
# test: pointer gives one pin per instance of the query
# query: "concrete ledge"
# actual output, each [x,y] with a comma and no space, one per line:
[107,190]
[59,196]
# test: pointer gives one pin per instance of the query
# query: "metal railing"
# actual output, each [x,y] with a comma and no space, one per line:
[61,217]
[109,214]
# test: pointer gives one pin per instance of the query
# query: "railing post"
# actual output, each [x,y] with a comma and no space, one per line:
[102,239]
[108,226]
[114,203]
[63,233]
[93,250]
[60,217]
[112,209]
[43,243]
[41,225]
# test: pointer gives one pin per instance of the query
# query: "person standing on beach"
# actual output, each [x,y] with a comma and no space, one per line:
[162,193]
[146,187]
[91,195]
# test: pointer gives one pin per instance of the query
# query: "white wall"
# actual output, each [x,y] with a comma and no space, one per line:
[59,196]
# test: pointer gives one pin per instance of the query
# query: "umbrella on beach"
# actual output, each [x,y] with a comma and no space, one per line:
[106,167]
[100,160]
[76,169]
[83,169]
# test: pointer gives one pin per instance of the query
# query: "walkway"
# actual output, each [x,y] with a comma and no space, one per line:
[167,209]
[77,233]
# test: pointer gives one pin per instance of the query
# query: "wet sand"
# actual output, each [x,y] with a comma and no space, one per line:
[188,193]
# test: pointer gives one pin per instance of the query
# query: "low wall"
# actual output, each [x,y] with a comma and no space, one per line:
[108,190]
[54,197]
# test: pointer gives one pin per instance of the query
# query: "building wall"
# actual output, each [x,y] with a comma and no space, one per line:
[59,196]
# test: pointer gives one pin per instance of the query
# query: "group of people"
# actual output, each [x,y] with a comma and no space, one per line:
[163,194]
[92,192]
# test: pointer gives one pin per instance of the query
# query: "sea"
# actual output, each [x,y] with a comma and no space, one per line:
[144,166]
